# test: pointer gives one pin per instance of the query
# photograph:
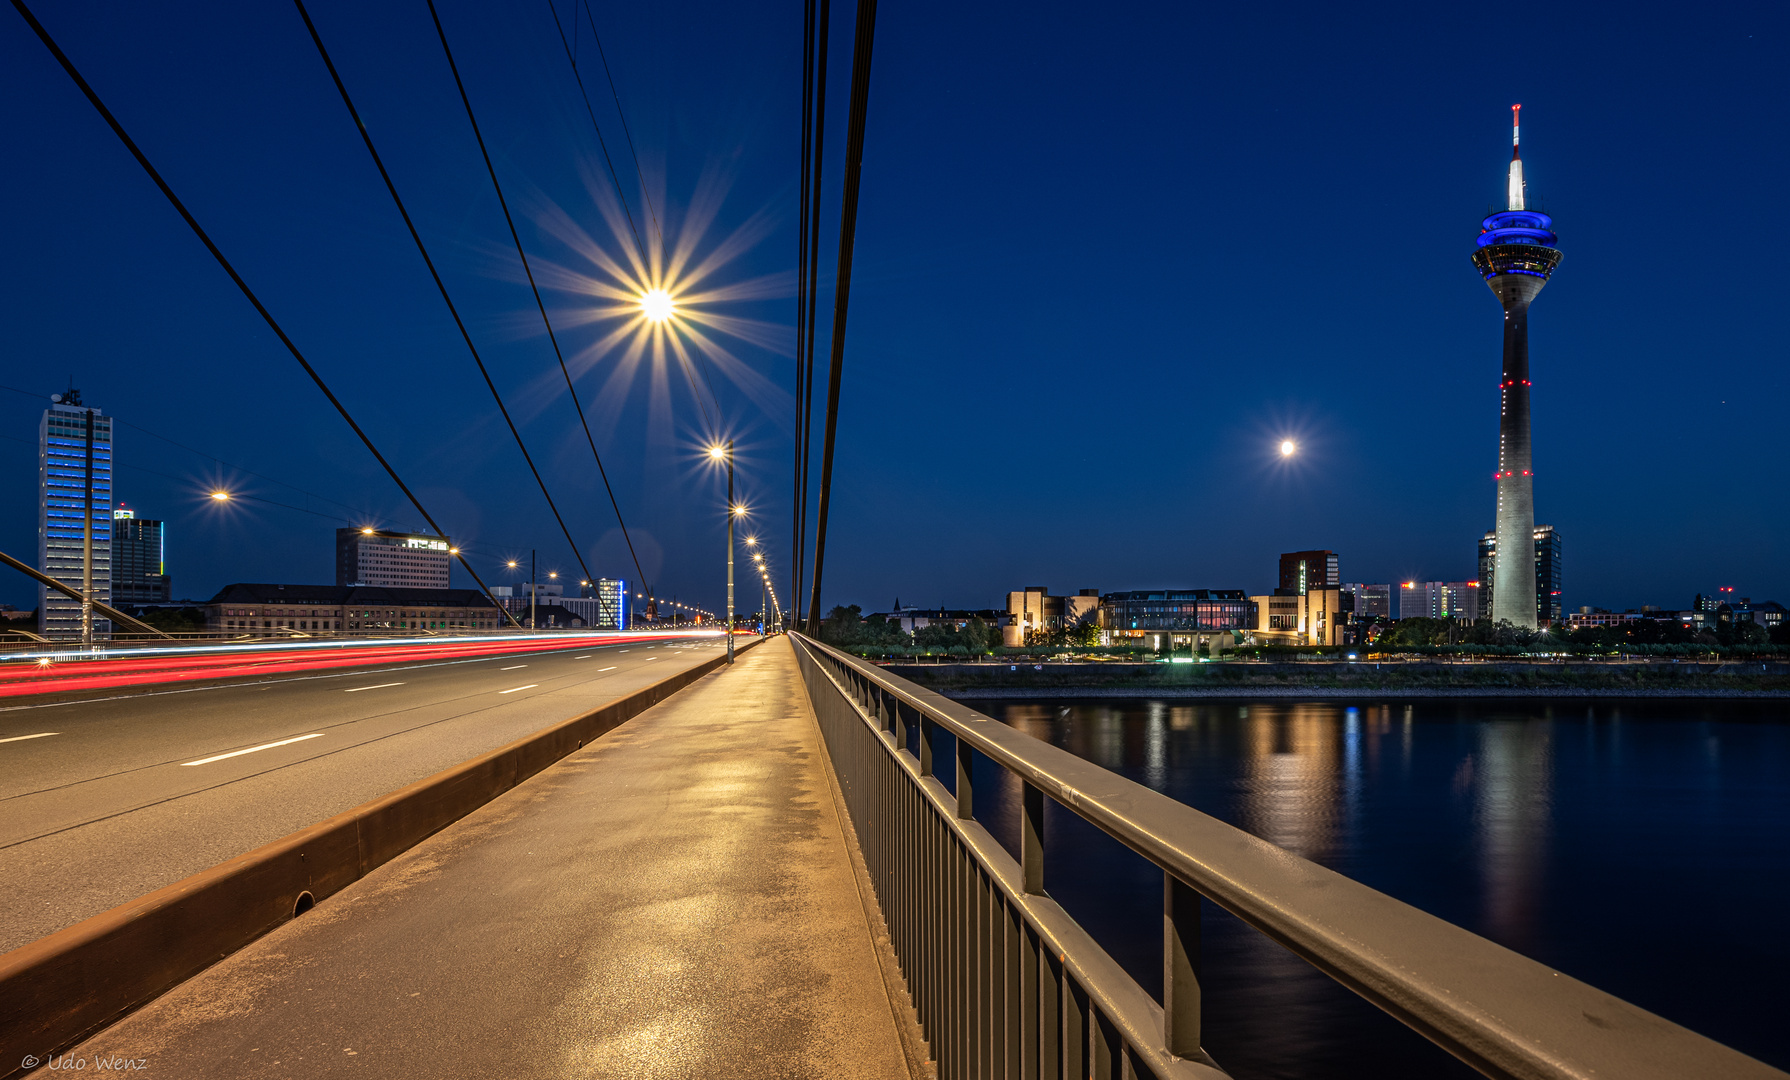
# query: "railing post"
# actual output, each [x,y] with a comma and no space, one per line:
[1180,962]
[929,732]
[1031,839]
[966,803]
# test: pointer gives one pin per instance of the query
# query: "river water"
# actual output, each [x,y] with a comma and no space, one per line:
[1642,846]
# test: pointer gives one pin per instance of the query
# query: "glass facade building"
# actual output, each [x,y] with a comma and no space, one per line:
[139,560]
[1549,576]
[1178,609]
[74,442]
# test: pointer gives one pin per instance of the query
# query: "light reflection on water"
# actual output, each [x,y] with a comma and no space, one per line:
[1641,846]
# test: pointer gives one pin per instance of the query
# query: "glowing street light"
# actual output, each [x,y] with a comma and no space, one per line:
[1288,448]
[657,305]
[221,495]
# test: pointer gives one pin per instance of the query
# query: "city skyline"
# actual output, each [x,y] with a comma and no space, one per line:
[960,330]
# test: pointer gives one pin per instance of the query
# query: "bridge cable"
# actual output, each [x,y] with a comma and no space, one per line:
[646,195]
[645,263]
[811,225]
[795,502]
[508,220]
[267,316]
[848,228]
[441,286]
[602,144]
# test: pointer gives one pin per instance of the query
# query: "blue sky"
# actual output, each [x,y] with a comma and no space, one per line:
[1106,260]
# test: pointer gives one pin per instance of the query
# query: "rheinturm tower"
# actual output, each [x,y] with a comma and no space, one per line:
[1517,253]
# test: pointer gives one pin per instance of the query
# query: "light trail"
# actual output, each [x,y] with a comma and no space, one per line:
[24,674]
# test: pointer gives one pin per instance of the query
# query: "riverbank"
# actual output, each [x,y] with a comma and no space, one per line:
[1354,679]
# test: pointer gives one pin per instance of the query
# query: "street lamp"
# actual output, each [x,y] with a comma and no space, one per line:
[724,452]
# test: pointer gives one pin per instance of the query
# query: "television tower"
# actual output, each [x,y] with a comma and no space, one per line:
[1516,254]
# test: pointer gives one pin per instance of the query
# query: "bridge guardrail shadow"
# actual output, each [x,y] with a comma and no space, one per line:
[1006,983]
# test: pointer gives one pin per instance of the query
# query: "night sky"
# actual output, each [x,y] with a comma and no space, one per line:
[1108,257]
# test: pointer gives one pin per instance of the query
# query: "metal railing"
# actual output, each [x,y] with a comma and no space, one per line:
[1006,984]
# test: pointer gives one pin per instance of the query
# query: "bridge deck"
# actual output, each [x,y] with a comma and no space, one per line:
[677,899]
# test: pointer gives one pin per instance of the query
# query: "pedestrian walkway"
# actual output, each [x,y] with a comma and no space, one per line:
[675,900]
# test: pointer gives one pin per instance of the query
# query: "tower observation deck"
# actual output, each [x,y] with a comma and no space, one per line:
[1516,254]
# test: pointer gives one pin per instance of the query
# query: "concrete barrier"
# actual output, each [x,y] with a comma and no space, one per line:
[60,989]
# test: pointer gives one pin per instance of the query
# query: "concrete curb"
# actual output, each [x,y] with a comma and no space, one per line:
[60,989]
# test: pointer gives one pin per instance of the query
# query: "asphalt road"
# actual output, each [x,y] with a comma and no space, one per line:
[104,800]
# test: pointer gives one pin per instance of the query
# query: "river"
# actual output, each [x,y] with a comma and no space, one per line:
[1641,845]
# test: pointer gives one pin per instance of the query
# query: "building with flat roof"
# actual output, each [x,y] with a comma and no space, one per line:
[139,560]
[1371,601]
[74,444]
[1314,617]
[368,556]
[1130,614]
[1301,570]
[1032,609]
[250,608]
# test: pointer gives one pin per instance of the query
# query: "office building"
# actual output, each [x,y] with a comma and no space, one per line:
[139,560]
[1128,614]
[1032,609]
[1371,601]
[1549,575]
[1302,570]
[1420,600]
[392,559]
[1314,617]
[260,609]
[1460,600]
[74,472]
[1516,253]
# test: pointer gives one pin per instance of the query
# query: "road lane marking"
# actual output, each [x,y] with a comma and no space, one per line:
[586,656]
[252,749]
[39,735]
[513,667]
[381,686]
[601,670]
[644,659]
[513,689]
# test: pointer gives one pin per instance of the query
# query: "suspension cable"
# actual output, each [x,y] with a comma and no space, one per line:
[517,239]
[266,316]
[441,286]
[848,228]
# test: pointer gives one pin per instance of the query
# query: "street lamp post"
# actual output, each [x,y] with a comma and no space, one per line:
[724,452]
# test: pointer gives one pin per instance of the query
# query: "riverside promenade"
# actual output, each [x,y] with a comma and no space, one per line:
[677,899]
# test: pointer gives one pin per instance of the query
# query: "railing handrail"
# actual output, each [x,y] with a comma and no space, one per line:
[1499,1011]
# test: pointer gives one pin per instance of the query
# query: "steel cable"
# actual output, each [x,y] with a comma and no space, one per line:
[440,286]
[267,316]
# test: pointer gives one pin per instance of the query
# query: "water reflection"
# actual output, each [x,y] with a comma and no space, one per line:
[1511,775]
[1575,833]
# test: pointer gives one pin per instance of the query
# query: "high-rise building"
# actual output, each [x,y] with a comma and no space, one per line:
[1302,571]
[1371,601]
[1516,254]
[1549,576]
[74,472]
[612,604]
[393,559]
[1460,600]
[139,560]
[1420,600]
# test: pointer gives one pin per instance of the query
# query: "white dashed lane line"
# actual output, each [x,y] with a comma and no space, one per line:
[600,671]
[47,734]
[253,749]
[512,667]
[381,686]
[513,689]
